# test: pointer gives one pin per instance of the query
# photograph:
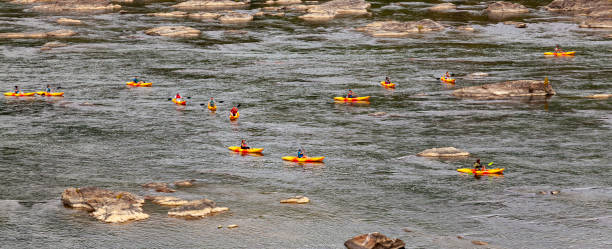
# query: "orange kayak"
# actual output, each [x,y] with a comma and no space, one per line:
[234,117]
[448,80]
[303,159]
[485,172]
[58,94]
[251,150]
[571,53]
[182,102]
[366,98]
[132,83]
[19,94]
[390,85]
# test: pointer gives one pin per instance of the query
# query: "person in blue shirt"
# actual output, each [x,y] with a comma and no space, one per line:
[48,90]
[300,154]
[387,80]
[243,145]
[212,102]
[349,94]
[16,89]
[136,80]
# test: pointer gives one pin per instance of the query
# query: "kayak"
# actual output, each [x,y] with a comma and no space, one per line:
[390,85]
[478,172]
[212,108]
[184,102]
[234,117]
[131,83]
[571,53]
[303,159]
[366,98]
[447,80]
[59,94]
[19,94]
[251,150]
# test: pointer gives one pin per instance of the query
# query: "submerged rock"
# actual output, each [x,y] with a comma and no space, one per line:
[373,241]
[51,45]
[284,2]
[105,205]
[600,96]
[466,28]
[72,6]
[171,201]
[159,187]
[211,4]
[443,152]
[399,29]
[519,88]
[604,23]
[198,209]
[480,243]
[68,21]
[443,7]
[174,31]
[204,15]
[56,33]
[177,14]
[516,24]
[506,7]
[184,183]
[296,200]
[331,9]
[377,114]
[235,17]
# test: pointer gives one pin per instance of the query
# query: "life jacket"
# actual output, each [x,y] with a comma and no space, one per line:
[178,96]
[234,110]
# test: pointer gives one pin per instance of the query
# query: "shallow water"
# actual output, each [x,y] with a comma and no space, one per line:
[284,73]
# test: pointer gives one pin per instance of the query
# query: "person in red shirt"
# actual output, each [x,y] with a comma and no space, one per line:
[177,97]
[234,111]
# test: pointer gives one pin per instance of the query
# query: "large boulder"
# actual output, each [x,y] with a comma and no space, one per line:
[211,4]
[39,35]
[374,241]
[331,9]
[443,7]
[518,88]
[174,31]
[197,209]
[443,152]
[399,29]
[506,7]
[105,205]
[72,6]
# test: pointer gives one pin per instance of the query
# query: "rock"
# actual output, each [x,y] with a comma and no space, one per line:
[185,183]
[296,200]
[72,6]
[466,28]
[56,33]
[219,226]
[377,114]
[196,210]
[265,13]
[373,241]
[235,17]
[51,45]
[518,88]
[178,14]
[604,23]
[232,226]
[399,29]
[443,152]
[105,205]
[443,7]
[555,192]
[480,243]
[516,24]
[599,96]
[460,237]
[593,8]
[408,230]
[506,7]
[174,31]
[283,1]
[204,15]
[159,187]
[541,192]
[211,4]
[172,201]
[331,9]
[67,21]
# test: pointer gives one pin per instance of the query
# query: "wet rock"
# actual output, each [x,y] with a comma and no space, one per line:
[373,241]
[177,14]
[51,45]
[204,15]
[171,201]
[519,88]
[599,96]
[283,1]
[443,152]
[460,237]
[399,29]
[541,192]
[443,7]
[184,183]
[174,31]
[61,33]
[56,33]
[211,4]
[597,23]
[408,230]
[466,28]
[296,200]
[159,187]
[266,13]
[555,192]
[516,24]
[196,210]
[334,8]
[232,226]
[592,8]
[68,21]
[72,6]
[480,243]
[235,17]
[105,205]
[501,7]
[377,114]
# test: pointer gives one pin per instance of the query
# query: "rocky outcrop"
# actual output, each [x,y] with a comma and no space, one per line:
[174,31]
[444,152]
[598,13]
[73,6]
[198,209]
[506,7]
[519,88]
[599,96]
[68,21]
[52,45]
[374,241]
[235,17]
[443,7]
[331,9]
[211,4]
[399,29]
[184,183]
[296,200]
[159,187]
[105,205]
[57,33]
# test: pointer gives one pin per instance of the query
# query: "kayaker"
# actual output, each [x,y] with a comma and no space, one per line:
[234,111]
[178,97]
[48,90]
[300,154]
[477,165]
[387,80]
[243,145]
[350,94]
[16,89]
[447,75]
[558,49]
[136,80]
[212,102]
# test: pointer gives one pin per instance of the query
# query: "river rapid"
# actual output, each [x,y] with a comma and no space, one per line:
[284,72]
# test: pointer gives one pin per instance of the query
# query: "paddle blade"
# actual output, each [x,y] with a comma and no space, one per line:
[169,99]
[188,97]
[220,101]
[491,163]
[238,106]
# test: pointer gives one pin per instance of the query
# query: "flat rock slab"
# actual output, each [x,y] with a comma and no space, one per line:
[57,33]
[296,200]
[284,2]
[211,4]
[68,21]
[443,7]
[374,241]
[518,88]
[174,31]
[51,45]
[331,9]
[159,187]
[173,201]
[196,210]
[506,7]
[105,205]
[184,183]
[600,96]
[443,152]
[400,29]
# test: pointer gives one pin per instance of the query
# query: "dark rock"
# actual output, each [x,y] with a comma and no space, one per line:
[374,241]
[519,88]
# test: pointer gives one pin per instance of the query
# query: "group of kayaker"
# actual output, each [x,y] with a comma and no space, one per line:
[245,146]
[47,89]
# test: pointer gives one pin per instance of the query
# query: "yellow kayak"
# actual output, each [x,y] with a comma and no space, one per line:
[183,102]
[234,117]
[251,150]
[303,159]
[571,53]
[485,172]
[366,98]
[19,94]
[132,83]
[447,80]
[390,85]
[212,108]
[58,94]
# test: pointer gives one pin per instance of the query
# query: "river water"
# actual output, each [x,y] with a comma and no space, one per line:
[284,73]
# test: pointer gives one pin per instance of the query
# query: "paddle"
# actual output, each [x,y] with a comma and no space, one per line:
[185,97]
[220,101]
